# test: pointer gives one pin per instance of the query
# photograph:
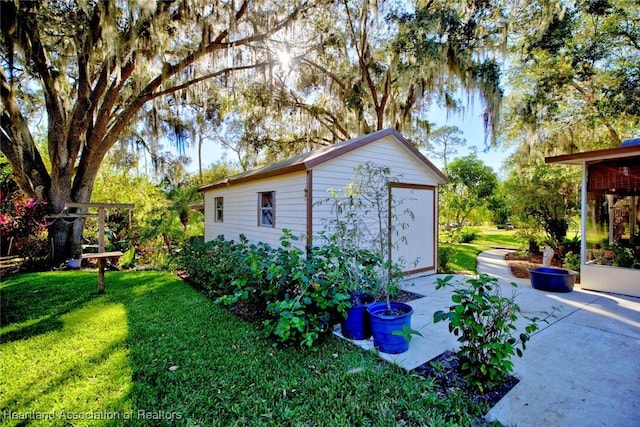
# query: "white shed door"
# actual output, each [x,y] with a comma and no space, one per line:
[415,244]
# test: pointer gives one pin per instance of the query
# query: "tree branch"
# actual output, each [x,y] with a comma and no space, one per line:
[334,77]
[18,146]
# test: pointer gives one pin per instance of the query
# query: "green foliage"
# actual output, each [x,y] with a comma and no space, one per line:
[468,235]
[624,257]
[576,77]
[302,300]
[214,265]
[572,261]
[126,259]
[499,207]
[443,142]
[406,332]
[298,297]
[568,245]
[445,252]
[484,322]
[471,184]
[545,197]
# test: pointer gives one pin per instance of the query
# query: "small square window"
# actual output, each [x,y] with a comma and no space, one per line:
[219,207]
[267,209]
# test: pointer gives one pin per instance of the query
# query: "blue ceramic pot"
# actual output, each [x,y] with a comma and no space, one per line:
[552,279]
[383,324]
[356,325]
[74,263]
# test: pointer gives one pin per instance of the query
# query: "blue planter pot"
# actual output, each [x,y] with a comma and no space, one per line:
[74,263]
[383,325]
[552,279]
[356,325]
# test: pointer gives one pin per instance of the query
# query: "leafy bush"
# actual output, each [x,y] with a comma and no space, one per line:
[483,320]
[624,257]
[297,296]
[570,245]
[572,261]
[216,264]
[468,235]
[445,252]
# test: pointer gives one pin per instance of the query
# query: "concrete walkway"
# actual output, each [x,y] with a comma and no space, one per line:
[581,369]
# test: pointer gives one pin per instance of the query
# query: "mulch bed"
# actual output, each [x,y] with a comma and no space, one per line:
[443,369]
[519,263]
[406,296]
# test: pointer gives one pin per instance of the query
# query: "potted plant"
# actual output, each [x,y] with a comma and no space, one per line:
[361,285]
[623,257]
[364,232]
[350,265]
[381,218]
[76,261]
[607,247]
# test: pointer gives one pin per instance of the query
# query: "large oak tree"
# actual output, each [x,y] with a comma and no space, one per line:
[363,65]
[575,77]
[91,71]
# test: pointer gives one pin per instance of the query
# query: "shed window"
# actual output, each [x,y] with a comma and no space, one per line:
[219,206]
[266,209]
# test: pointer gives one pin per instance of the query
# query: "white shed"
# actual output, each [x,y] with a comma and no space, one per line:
[259,203]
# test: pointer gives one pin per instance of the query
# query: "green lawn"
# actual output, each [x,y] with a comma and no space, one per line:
[153,347]
[464,258]
[492,237]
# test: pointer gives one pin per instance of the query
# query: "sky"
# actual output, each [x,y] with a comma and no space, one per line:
[470,124]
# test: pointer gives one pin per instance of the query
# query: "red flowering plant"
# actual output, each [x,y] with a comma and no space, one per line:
[23,226]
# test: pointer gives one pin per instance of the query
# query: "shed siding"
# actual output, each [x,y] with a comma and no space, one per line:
[340,171]
[336,173]
[241,209]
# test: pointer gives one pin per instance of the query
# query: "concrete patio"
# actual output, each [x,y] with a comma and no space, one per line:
[582,368]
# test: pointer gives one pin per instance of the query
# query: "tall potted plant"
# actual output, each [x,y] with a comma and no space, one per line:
[351,264]
[367,220]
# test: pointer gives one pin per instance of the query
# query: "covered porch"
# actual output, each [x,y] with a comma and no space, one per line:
[610,219]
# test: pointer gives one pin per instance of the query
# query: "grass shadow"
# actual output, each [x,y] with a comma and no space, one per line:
[42,326]
[33,303]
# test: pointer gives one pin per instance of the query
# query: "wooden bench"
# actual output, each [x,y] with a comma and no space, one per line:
[102,261]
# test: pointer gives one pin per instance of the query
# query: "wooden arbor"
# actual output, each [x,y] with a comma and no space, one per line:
[101,255]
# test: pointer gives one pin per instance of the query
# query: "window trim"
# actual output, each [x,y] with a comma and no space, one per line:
[272,208]
[218,209]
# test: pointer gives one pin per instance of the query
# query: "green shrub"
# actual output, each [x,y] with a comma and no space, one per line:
[445,252]
[484,322]
[572,261]
[624,257]
[468,235]
[214,265]
[296,295]
[570,245]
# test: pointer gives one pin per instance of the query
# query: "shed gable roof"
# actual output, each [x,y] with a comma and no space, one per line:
[308,160]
